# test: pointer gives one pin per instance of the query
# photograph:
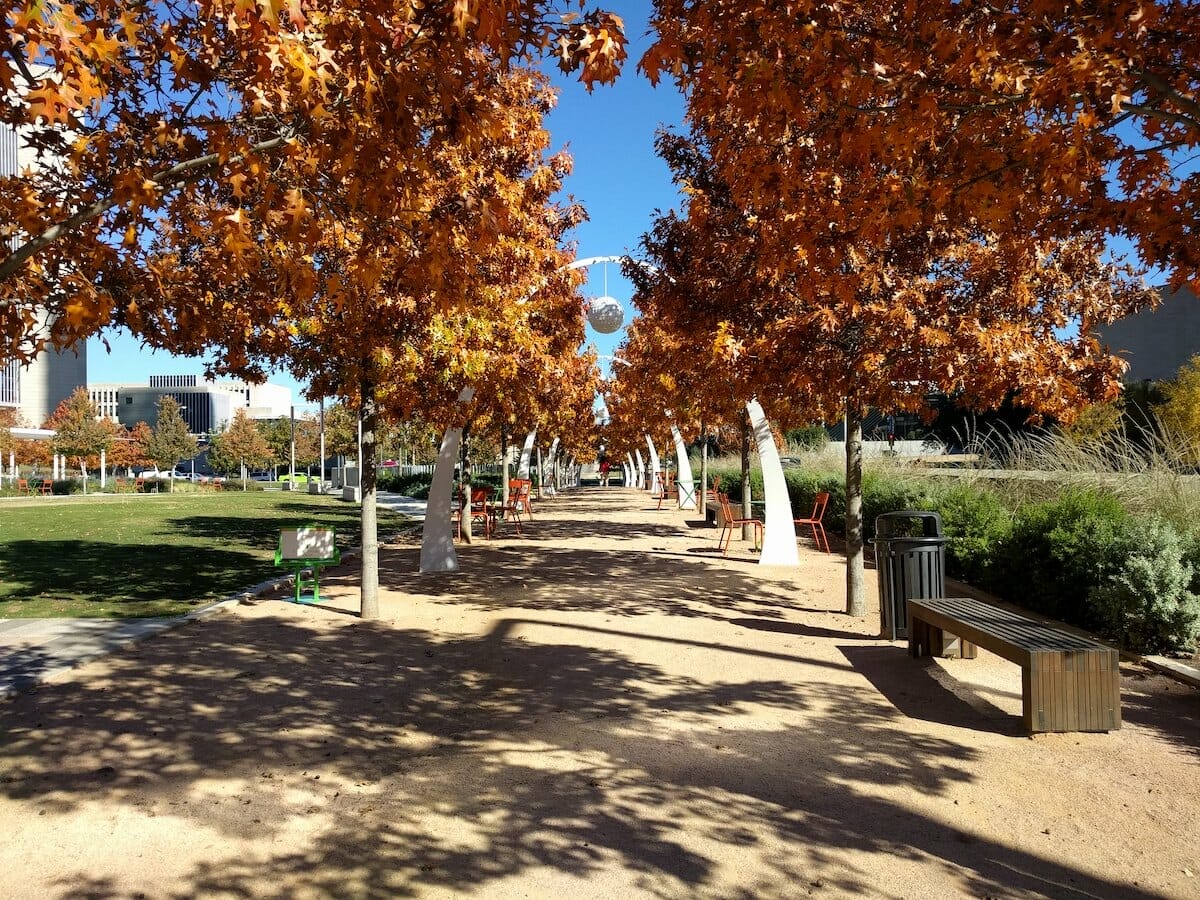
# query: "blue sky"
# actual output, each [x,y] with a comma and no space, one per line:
[610,133]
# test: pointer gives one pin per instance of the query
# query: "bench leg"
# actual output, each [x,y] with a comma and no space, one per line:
[927,640]
[1064,691]
[923,638]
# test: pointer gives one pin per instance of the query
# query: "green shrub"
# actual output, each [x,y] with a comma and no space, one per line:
[884,493]
[409,484]
[1144,601]
[975,522]
[731,482]
[803,486]
[813,437]
[1056,552]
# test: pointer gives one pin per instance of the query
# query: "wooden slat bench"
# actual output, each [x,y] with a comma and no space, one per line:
[1068,683]
[307,550]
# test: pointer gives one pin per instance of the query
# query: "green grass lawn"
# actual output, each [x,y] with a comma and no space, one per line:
[152,555]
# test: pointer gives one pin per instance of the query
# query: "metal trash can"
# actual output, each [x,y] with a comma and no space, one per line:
[910,566]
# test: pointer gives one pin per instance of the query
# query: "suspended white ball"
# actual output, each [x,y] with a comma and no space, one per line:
[605,314]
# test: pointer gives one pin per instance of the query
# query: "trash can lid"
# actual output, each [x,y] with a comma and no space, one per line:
[890,523]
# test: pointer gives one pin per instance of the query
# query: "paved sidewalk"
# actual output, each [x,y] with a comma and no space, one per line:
[35,650]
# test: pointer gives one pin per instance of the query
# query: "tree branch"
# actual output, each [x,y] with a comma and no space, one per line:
[178,174]
[1191,109]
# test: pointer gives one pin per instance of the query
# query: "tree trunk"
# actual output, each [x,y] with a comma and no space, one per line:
[747,507]
[465,484]
[856,602]
[504,472]
[702,493]
[369,415]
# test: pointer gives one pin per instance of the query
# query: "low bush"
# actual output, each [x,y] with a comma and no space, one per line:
[804,485]
[1056,552]
[1144,601]
[884,493]
[975,523]
[411,485]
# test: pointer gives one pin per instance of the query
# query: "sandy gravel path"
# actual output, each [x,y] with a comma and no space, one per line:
[602,708]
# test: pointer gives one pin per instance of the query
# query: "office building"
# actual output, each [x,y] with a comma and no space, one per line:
[36,389]
[206,405]
[1156,342]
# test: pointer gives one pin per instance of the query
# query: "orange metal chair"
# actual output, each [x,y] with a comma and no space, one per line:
[668,488]
[731,522]
[513,503]
[814,521]
[520,491]
[479,510]
[711,493]
[483,510]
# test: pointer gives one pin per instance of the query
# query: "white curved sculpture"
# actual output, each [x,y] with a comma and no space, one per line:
[629,470]
[655,466]
[437,533]
[548,478]
[779,531]
[687,488]
[526,454]
[641,471]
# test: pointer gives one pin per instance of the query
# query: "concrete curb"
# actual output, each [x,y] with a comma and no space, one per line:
[1173,668]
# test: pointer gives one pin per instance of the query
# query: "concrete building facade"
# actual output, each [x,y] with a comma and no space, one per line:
[36,389]
[206,406]
[1156,342]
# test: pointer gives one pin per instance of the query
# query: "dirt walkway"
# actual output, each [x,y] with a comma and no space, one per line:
[599,709]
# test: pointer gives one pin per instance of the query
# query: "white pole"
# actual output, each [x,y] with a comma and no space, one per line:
[103,466]
[322,408]
[292,478]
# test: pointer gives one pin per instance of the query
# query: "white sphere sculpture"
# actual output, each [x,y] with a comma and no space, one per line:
[605,314]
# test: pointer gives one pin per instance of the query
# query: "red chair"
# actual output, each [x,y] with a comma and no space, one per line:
[483,510]
[731,522]
[814,521]
[479,509]
[512,506]
[668,489]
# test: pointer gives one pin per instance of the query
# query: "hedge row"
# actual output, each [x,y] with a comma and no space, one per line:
[1080,557]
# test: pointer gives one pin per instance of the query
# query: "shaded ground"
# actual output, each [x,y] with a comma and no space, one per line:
[600,709]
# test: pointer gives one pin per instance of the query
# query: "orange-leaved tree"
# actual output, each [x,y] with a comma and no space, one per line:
[851,325]
[140,115]
[79,432]
[393,310]
[1033,119]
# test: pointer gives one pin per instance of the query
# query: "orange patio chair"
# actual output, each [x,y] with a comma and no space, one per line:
[814,521]
[668,488]
[482,509]
[524,488]
[731,521]
[513,503]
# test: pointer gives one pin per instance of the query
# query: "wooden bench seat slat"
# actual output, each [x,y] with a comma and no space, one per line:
[1068,682]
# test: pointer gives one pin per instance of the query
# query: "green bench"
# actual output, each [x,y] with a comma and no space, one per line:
[307,550]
